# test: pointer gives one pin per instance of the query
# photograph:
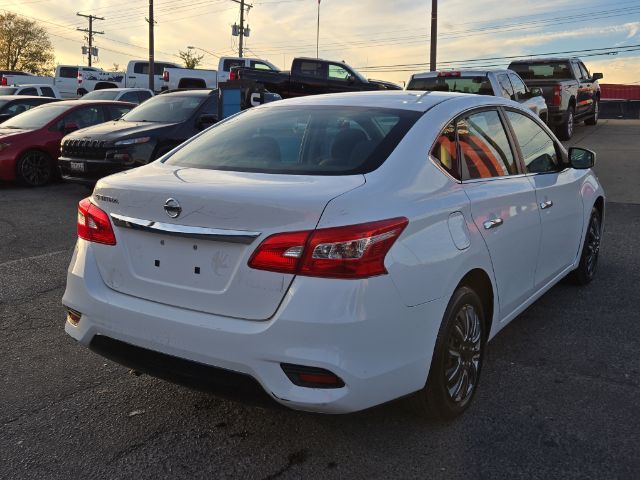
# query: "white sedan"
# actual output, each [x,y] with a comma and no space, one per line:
[335,252]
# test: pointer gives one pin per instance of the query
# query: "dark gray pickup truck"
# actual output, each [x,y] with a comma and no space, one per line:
[571,92]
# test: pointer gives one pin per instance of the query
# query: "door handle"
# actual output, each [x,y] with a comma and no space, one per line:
[489,224]
[545,205]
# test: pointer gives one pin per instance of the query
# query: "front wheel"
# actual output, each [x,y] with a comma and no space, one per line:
[565,129]
[34,169]
[457,359]
[593,119]
[586,270]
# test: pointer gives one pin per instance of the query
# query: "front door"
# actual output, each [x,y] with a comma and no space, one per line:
[503,205]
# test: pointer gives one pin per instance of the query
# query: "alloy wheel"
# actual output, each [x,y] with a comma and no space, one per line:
[462,365]
[35,168]
[570,124]
[593,246]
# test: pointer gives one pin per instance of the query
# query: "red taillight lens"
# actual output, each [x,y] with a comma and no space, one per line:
[233,75]
[4,81]
[354,251]
[79,76]
[165,76]
[94,224]
[449,74]
[556,99]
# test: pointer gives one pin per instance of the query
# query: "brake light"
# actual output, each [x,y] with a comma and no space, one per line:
[4,81]
[94,224]
[556,99]
[354,251]
[449,74]
[233,75]
[165,76]
[79,76]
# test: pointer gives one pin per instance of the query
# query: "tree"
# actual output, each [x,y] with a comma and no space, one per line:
[24,45]
[116,67]
[191,59]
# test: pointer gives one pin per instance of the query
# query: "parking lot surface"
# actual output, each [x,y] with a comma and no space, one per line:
[559,395]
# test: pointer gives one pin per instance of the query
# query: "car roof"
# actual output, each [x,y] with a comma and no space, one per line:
[79,102]
[122,89]
[465,71]
[545,60]
[201,92]
[15,98]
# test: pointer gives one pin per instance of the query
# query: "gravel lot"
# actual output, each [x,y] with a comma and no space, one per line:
[559,397]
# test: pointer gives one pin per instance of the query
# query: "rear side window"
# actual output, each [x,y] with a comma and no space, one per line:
[129,97]
[28,91]
[484,146]
[315,140]
[68,72]
[228,64]
[311,69]
[114,112]
[143,95]
[47,92]
[446,151]
[539,151]
[475,84]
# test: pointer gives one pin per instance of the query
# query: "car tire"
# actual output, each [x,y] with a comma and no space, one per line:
[457,359]
[586,270]
[565,129]
[34,169]
[593,119]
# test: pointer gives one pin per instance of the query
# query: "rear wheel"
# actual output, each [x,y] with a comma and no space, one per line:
[586,270]
[565,129]
[593,119]
[457,359]
[34,169]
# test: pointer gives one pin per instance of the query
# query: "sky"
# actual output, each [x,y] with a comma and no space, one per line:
[384,39]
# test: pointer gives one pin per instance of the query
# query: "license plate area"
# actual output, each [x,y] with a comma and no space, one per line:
[203,265]
[77,166]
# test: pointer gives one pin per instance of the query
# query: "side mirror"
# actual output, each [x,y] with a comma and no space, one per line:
[597,76]
[206,120]
[536,92]
[581,158]
[69,127]
[351,79]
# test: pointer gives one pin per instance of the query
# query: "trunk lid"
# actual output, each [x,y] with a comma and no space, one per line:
[198,260]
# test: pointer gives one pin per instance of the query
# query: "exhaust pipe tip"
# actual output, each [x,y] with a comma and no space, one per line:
[73,316]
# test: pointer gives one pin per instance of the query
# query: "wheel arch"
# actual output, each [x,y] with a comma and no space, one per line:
[480,282]
[599,205]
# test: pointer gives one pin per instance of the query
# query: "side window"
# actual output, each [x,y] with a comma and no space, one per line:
[518,86]
[484,146]
[584,72]
[576,70]
[260,65]
[28,91]
[114,112]
[47,92]
[18,107]
[68,72]
[141,67]
[505,86]
[337,72]
[210,106]
[143,95]
[539,151]
[85,117]
[129,97]
[311,69]
[228,64]
[446,152]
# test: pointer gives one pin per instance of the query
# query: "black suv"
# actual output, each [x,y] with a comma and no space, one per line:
[142,135]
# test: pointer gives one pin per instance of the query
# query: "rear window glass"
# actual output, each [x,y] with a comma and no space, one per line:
[475,84]
[542,71]
[106,94]
[311,141]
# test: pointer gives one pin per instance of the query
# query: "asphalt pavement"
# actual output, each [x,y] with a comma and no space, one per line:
[559,395]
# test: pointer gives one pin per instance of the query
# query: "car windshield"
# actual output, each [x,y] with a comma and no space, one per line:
[308,140]
[101,95]
[8,90]
[478,84]
[36,117]
[542,71]
[165,109]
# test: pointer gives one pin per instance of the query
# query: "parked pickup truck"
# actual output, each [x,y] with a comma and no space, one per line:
[311,76]
[136,75]
[499,83]
[199,78]
[150,131]
[571,92]
[65,79]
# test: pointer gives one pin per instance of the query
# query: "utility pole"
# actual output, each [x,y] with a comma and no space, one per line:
[90,33]
[241,31]
[434,34]
[151,47]
[318,33]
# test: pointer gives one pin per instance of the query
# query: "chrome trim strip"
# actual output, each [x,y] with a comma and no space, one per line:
[221,235]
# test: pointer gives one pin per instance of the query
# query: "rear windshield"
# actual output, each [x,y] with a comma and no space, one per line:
[542,71]
[165,109]
[310,140]
[101,95]
[463,84]
[8,90]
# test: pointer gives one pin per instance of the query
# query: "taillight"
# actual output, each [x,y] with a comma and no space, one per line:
[233,75]
[165,76]
[354,251]
[556,99]
[4,81]
[449,74]
[79,76]
[94,224]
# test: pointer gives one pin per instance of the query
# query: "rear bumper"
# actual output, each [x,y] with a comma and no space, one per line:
[358,330]
[556,116]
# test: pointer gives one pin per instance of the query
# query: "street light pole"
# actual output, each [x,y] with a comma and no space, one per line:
[434,34]
[318,33]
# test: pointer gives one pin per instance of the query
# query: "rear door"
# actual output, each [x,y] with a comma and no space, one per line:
[558,200]
[503,204]
[308,77]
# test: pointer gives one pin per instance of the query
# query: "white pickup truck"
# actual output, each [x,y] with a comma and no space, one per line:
[73,81]
[200,78]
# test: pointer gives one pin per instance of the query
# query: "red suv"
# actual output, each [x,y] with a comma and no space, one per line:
[30,142]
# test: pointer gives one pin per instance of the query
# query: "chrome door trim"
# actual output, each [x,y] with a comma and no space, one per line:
[221,235]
